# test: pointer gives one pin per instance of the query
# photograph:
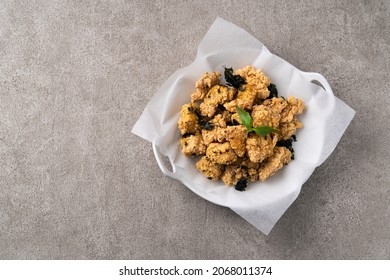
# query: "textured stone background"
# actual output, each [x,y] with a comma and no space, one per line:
[75,183]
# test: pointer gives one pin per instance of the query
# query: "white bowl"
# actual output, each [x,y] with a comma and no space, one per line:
[263,203]
[308,149]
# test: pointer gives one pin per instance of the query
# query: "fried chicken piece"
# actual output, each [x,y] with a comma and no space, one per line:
[220,120]
[232,174]
[217,95]
[265,116]
[276,103]
[257,79]
[210,169]
[217,134]
[221,153]
[258,148]
[236,135]
[288,129]
[188,121]
[244,100]
[280,157]
[203,85]
[252,169]
[294,106]
[193,145]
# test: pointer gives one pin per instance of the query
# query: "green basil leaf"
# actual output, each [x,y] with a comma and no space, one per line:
[264,130]
[245,118]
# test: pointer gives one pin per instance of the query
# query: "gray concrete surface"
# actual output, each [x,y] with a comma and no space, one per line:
[76,184]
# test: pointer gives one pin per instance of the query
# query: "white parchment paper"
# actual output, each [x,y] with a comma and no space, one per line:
[325,120]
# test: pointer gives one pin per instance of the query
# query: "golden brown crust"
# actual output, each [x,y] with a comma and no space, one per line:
[257,80]
[192,145]
[280,157]
[203,85]
[217,95]
[188,121]
[236,135]
[259,148]
[265,116]
[244,100]
[210,169]
[221,153]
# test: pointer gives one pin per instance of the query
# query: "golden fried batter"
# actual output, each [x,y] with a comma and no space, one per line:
[217,134]
[217,95]
[258,148]
[294,107]
[244,100]
[203,85]
[288,129]
[221,153]
[236,135]
[265,116]
[188,121]
[257,80]
[280,157]
[192,145]
[210,169]
[232,174]
[220,120]
[276,103]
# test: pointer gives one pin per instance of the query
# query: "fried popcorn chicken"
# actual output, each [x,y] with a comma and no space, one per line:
[276,103]
[217,134]
[203,85]
[217,95]
[257,80]
[220,120]
[188,121]
[221,153]
[236,135]
[193,145]
[294,107]
[280,157]
[265,116]
[288,129]
[212,129]
[259,148]
[232,174]
[210,169]
[244,100]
